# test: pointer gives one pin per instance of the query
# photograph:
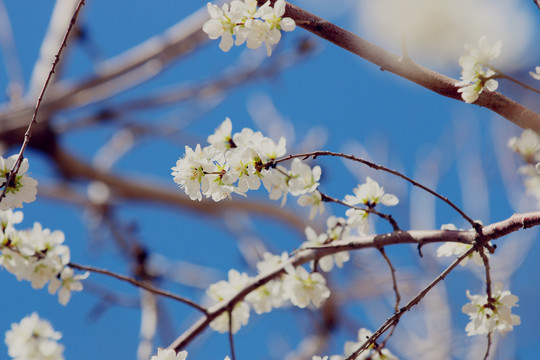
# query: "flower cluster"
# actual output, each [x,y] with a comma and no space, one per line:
[528,146]
[458,249]
[37,255]
[296,285]
[488,315]
[34,339]
[476,72]
[247,23]
[372,352]
[237,163]
[21,189]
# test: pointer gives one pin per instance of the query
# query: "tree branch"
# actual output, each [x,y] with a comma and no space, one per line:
[406,68]
[490,232]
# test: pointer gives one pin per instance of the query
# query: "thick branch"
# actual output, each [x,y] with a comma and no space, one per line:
[406,68]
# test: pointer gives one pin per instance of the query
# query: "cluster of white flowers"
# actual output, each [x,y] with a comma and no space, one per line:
[296,285]
[37,255]
[21,189]
[491,315]
[247,23]
[476,73]
[372,352]
[536,73]
[458,249]
[34,339]
[528,146]
[237,163]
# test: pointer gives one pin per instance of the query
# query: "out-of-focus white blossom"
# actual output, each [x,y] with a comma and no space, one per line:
[247,23]
[224,291]
[303,288]
[336,230]
[313,199]
[34,339]
[527,145]
[458,249]
[476,73]
[169,354]
[536,73]
[22,189]
[489,316]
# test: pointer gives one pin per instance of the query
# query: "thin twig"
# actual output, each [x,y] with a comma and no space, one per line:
[28,134]
[140,284]
[502,75]
[488,346]
[231,339]
[375,166]
[394,319]
[394,280]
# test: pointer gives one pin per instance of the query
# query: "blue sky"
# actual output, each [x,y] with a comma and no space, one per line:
[345,103]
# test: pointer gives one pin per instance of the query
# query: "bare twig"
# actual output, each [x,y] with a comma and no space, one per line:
[394,280]
[231,338]
[501,75]
[140,284]
[28,134]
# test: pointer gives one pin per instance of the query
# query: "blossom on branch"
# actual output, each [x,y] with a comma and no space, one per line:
[476,72]
[458,249]
[34,339]
[371,194]
[22,189]
[488,315]
[242,21]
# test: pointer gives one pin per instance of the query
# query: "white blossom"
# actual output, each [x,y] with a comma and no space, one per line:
[67,282]
[313,199]
[302,178]
[169,354]
[22,189]
[527,145]
[303,288]
[370,194]
[495,315]
[476,73]
[34,339]
[190,170]
[536,74]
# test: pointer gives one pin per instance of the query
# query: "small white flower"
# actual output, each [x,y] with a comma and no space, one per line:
[34,339]
[221,139]
[303,288]
[302,178]
[536,74]
[169,354]
[23,189]
[527,145]
[370,194]
[190,170]
[335,232]
[491,316]
[67,283]
[313,199]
